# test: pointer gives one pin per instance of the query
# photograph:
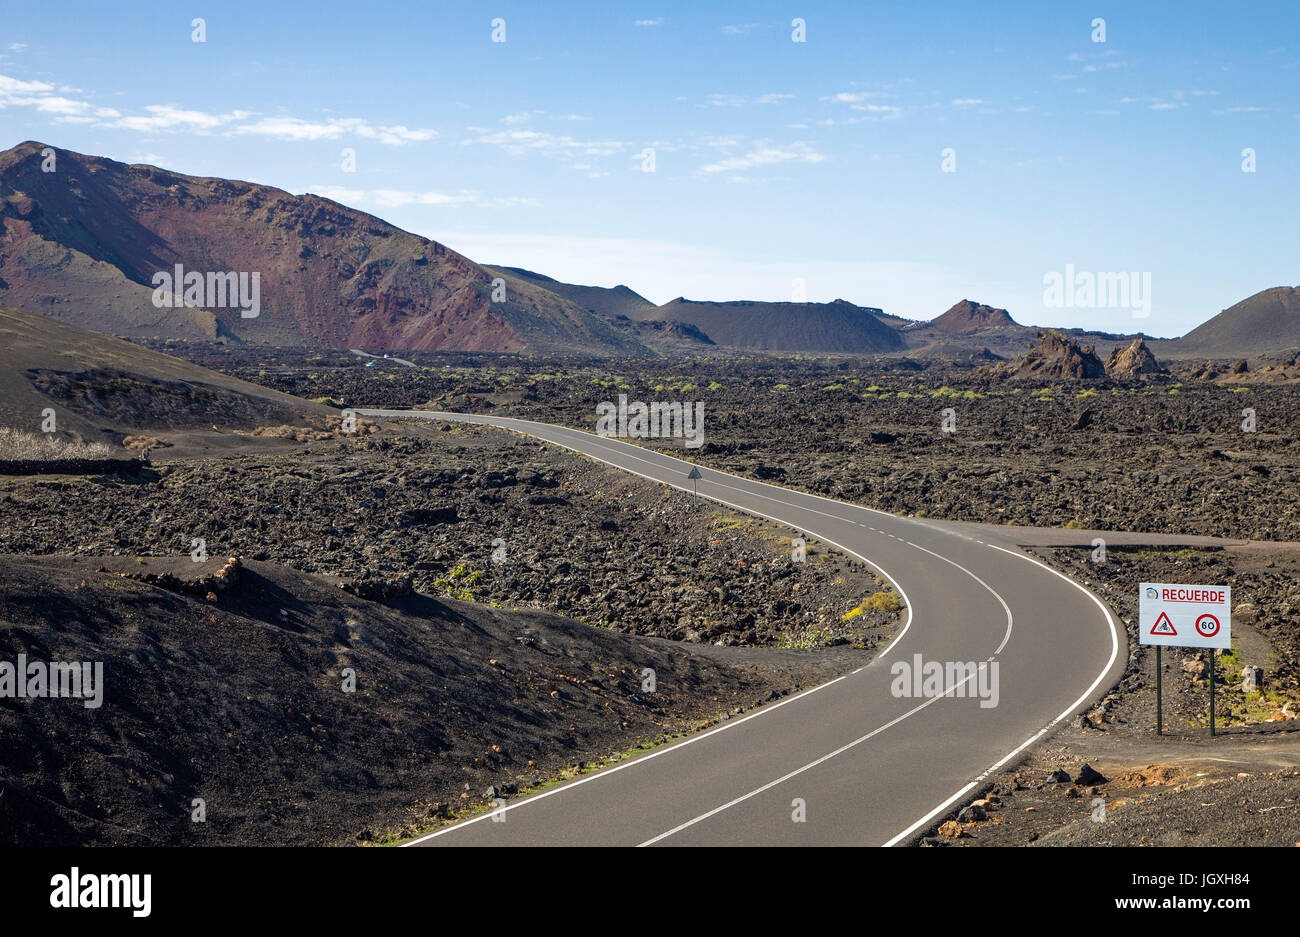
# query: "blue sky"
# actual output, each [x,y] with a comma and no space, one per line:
[774,160]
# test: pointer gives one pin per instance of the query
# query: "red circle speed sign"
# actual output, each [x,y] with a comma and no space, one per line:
[1207,626]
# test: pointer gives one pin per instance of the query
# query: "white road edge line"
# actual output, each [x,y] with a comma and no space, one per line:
[812,764]
[695,738]
[1087,694]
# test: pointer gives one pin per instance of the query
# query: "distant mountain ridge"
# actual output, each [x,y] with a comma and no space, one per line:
[1268,321]
[603,301]
[834,327]
[84,242]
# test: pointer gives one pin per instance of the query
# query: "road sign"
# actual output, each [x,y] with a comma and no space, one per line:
[1164,626]
[1185,616]
[695,476]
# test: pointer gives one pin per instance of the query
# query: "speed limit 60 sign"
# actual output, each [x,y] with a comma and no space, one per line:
[1185,616]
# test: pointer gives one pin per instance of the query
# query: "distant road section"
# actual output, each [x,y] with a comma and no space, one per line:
[366,354]
[874,756]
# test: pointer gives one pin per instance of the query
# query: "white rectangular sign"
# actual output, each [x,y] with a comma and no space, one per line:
[1184,616]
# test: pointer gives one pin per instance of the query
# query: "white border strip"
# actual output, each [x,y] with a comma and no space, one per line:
[1087,694]
[730,724]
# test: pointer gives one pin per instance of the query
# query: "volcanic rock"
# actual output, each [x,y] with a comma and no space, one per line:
[1133,363]
[1053,358]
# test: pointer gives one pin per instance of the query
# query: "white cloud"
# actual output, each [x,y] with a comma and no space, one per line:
[856,100]
[655,22]
[402,198]
[740,100]
[296,129]
[338,193]
[168,117]
[851,97]
[740,29]
[160,118]
[14,86]
[766,154]
[876,112]
[722,143]
[520,142]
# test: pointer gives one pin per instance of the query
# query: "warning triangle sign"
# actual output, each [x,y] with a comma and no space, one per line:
[1163,625]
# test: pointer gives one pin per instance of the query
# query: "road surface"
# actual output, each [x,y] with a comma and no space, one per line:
[854,761]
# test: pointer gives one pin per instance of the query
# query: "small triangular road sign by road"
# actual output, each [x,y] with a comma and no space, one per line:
[695,473]
[1163,625]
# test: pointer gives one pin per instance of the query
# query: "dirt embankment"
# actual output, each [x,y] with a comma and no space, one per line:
[284,710]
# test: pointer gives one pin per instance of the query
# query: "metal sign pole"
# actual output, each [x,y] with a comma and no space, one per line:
[1211,691]
[1160,716]
[1183,615]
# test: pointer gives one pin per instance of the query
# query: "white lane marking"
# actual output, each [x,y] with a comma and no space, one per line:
[628,450]
[1006,608]
[615,770]
[606,773]
[1083,698]
[839,751]
[1006,636]
[808,767]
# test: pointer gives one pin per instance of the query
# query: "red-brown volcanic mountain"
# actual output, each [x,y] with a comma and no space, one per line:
[967,316]
[83,243]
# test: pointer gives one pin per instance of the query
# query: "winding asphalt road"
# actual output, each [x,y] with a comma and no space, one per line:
[864,766]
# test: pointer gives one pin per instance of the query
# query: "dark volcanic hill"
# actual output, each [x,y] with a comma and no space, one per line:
[626,310]
[83,243]
[102,388]
[237,701]
[834,327]
[968,316]
[606,302]
[1267,322]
